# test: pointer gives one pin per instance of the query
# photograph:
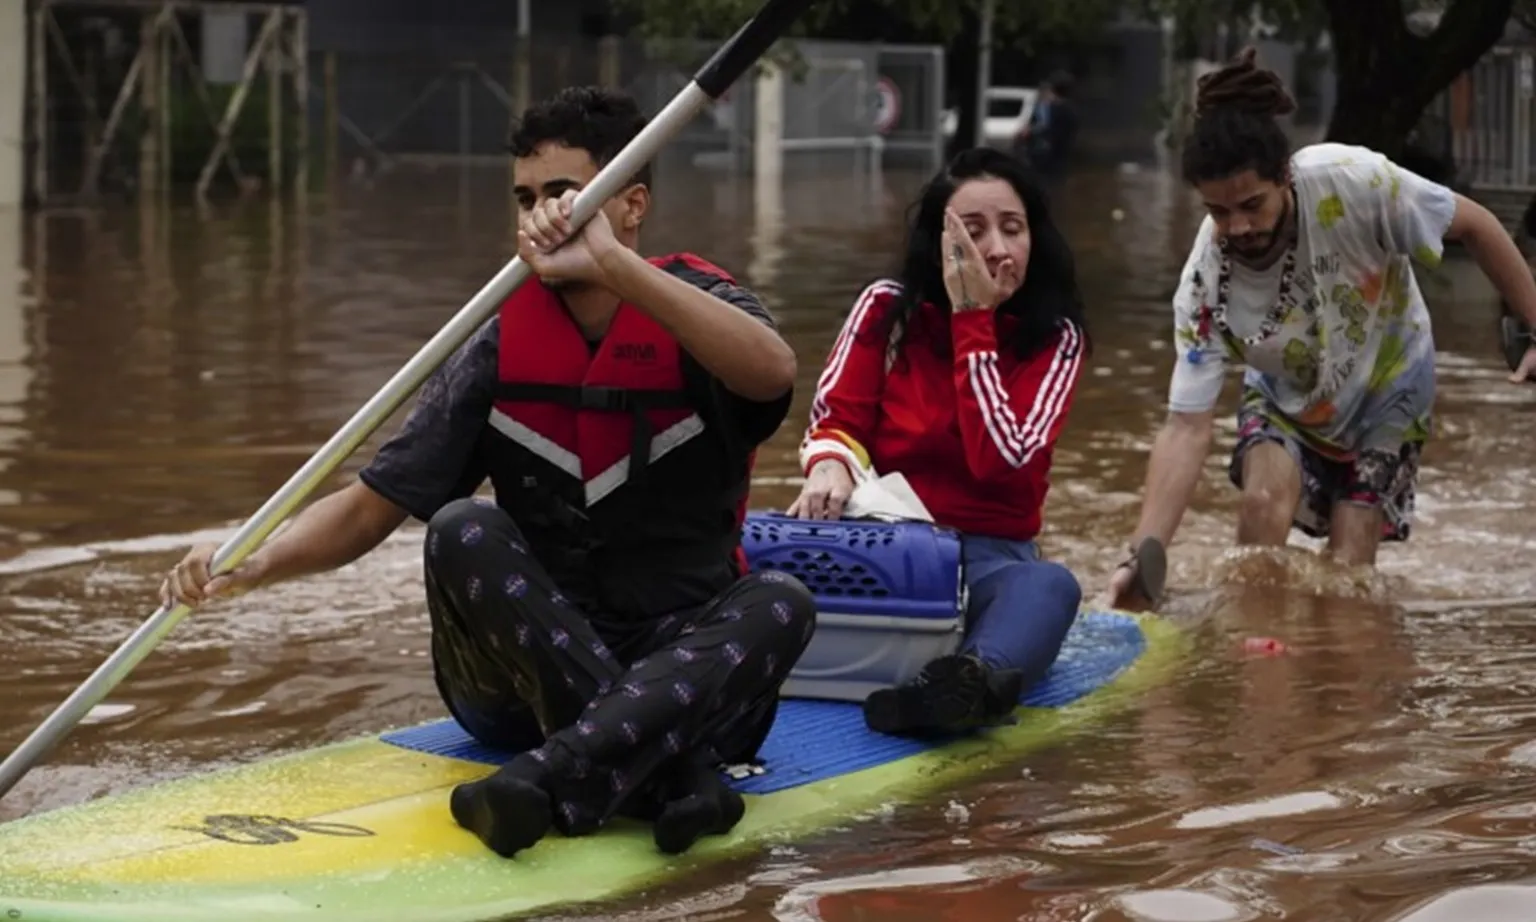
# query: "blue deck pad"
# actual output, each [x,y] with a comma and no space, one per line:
[815,740]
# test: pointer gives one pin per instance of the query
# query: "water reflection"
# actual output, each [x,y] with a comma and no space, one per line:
[163,371]
[1489,903]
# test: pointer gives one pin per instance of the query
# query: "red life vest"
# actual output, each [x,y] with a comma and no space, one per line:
[608,458]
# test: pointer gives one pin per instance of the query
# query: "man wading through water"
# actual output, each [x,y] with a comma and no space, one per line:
[596,618]
[1301,273]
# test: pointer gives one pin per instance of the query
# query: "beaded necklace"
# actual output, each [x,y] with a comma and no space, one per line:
[1283,300]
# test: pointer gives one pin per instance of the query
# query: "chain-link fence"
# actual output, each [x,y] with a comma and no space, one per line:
[402,94]
[1483,122]
[865,99]
[118,99]
[909,110]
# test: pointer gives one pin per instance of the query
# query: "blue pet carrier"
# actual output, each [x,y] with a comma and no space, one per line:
[890,597]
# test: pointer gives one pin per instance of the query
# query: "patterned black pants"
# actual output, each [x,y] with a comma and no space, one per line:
[521,668]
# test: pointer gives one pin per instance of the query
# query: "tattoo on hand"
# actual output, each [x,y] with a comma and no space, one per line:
[966,301]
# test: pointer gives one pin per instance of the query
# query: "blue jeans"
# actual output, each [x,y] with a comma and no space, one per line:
[1020,608]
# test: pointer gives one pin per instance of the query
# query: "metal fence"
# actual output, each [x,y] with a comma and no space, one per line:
[1483,122]
[910,103]
[867,99]
[440,96]
[118,99]
[862,105]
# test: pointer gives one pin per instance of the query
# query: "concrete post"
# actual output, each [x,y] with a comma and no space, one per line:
[768,138]
[984,70]
[768,172]
[150,96]
[13,102]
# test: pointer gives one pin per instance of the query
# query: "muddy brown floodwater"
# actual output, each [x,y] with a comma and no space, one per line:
[162,372]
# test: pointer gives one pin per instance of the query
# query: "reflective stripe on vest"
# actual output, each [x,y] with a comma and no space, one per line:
[599,418]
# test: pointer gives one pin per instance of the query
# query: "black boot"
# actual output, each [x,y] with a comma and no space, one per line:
[699,803]
[951,695]
[1004,689]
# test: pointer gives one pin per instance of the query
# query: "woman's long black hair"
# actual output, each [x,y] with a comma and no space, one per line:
[1049,294]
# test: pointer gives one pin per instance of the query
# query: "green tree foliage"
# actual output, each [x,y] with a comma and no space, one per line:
[1387,72]
[1018,26]
[1391,58]
[933,20]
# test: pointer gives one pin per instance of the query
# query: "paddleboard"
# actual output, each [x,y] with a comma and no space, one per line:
[360,829]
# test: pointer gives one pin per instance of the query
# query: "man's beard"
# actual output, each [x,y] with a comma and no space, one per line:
[1257,246]
[1253,246]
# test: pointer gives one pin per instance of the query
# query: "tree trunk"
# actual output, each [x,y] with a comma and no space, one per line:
[1376,108]
[962,80]
[1387,75]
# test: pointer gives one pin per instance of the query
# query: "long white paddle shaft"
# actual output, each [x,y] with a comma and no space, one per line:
[714,78]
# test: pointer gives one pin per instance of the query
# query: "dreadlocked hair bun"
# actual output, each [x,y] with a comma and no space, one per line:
[1241,85]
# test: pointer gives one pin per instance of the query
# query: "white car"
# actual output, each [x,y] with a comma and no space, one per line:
[1009,109]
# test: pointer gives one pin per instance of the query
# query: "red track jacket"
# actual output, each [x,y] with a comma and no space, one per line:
[971,428]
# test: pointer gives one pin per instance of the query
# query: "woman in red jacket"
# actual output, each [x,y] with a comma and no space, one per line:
[959,375]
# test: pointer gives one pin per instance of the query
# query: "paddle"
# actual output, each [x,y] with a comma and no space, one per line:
[714,78]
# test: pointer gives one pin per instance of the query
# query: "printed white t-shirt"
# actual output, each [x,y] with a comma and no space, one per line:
[1351,365]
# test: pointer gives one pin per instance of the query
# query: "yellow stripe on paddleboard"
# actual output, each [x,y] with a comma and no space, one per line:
[149,854]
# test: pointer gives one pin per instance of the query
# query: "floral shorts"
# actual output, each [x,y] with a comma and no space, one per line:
[1374,478]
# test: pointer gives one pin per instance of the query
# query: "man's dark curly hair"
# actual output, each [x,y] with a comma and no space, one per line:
[1235,128]
[595,119]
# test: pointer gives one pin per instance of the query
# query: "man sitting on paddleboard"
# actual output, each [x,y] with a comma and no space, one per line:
[597,616]
[1301,272]
[958,375]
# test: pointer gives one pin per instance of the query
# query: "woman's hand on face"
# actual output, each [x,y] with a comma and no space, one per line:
[825,493]
[970,286]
